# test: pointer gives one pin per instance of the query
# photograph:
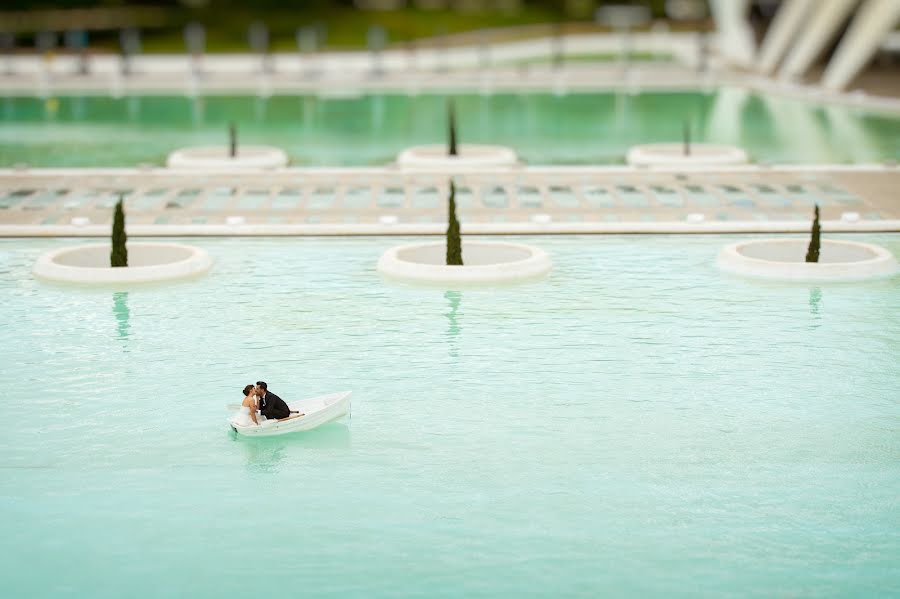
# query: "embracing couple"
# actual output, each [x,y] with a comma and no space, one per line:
[259,397]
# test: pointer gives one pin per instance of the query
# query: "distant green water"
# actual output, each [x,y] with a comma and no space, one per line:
[583,128]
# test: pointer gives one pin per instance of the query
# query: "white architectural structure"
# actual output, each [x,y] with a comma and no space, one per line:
[147,262]
[219,158]
[871,26]
[734,35]
[484,262]
[783,30]
[784,259]
[468,156]
[802,30]
[673,155]
[824,23]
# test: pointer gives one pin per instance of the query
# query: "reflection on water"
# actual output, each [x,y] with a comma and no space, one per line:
[134,108]
[270,454]
[198,111]
[621,112]
[78,110]
[815,299]
[260,108]
[265,454]
[51,108]
[453,328]
[121,312]
[723,124]
[483,112]
[378,114]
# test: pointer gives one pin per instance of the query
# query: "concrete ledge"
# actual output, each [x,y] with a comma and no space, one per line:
[469,156]
[507,228]
[784,259]
[124,174]
[672,155]
[217,158]
[484,262]
[148,262]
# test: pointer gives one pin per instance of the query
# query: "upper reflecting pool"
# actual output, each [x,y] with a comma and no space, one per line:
[578,128]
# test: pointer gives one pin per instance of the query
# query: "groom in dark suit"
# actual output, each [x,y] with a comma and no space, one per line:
[270,405]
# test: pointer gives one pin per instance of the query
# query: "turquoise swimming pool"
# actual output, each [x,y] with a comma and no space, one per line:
[544,128]
[635,424]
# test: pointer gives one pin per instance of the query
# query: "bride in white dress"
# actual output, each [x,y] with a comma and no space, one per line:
[246,416]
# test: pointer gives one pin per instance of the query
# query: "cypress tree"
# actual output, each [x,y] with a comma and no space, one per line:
[812,253]
[119,255]
[451,124]
[232,140]
[686,138]
[454,242]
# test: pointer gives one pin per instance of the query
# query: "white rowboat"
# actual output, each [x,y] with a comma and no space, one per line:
[316,412]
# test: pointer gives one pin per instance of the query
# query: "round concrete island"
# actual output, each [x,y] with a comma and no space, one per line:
[468,156]
[785,260]
[147,262]
[673,155]
[484,262]
[219,158]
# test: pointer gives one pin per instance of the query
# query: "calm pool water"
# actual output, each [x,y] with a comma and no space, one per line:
[582,128]
[636,424]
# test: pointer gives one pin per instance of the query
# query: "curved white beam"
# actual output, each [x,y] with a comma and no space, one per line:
[789,19]
[870,27]
[735,38]
[827,18]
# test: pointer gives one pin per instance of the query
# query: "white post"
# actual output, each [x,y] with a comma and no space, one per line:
[735,38]
[787,23]
[826,20]
[870,27]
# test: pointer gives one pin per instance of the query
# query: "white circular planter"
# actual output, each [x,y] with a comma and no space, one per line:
[468,156]
[673,155]
[785,260]
[147,262]
[483,262]
[218,158]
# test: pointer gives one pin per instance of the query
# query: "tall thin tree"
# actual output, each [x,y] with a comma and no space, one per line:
[812,252]
[232,140]
[454,241]
[119,254]
[451,125]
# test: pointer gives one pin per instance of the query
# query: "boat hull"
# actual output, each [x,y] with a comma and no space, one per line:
[316,412]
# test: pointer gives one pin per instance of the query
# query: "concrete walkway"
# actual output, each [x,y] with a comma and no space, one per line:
[366,201]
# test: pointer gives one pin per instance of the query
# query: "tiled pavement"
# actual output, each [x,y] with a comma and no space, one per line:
[388,196]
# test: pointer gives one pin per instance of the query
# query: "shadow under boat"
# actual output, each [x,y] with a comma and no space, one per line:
[333,435]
